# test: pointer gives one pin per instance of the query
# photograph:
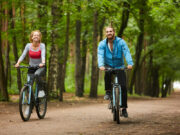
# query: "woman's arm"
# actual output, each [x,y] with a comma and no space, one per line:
[23,55]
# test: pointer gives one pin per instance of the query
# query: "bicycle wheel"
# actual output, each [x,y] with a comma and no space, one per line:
[41,107]
[114,113]
[117,105]
[24,105]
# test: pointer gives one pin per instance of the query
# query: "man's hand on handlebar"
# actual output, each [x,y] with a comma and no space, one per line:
[102,68]
[129,66]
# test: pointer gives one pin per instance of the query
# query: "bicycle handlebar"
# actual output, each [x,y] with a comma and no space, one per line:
[107,69]
[35,67]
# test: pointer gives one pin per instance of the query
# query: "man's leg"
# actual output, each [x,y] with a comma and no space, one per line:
[122,81]
[108,86]
[124,101]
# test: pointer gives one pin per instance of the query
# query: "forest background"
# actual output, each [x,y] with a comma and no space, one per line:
[71,31]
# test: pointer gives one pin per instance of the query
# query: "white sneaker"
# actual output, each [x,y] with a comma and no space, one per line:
[41,94]
[27,110]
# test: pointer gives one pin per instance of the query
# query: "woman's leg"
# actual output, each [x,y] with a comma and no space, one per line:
[38,74]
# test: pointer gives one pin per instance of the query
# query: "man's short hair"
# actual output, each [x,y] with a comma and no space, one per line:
[111,28]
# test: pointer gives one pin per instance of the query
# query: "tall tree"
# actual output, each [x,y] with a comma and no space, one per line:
[43,18]
[5,42]
[84,54]
[94,69]
[125,18]
[54,65]
[14,43]
[66,49]
[3,82]
[78,79]
[23,21]
[139,47]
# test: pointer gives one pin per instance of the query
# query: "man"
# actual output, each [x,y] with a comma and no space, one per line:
[110,54]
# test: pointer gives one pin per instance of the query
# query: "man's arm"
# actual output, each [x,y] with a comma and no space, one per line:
[127,54]
[101,51]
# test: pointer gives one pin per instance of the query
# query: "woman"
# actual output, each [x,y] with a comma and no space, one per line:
[36,51]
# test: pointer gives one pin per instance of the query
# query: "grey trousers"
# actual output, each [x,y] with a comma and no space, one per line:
[37,75]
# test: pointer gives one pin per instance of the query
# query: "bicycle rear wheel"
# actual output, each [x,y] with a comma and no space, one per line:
[41,107]
[25,104]
[117,105]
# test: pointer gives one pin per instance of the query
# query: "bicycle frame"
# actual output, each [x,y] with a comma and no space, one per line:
[116,85]
[30,90]
[29,98]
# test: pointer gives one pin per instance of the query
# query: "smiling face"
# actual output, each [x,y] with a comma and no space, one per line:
[35,36]
[110,33]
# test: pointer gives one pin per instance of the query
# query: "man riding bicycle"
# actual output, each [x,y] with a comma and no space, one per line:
[110,54]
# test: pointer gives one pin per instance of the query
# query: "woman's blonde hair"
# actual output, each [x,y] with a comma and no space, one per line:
[32,33]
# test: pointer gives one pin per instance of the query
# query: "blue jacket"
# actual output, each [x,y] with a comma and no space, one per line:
[115,58]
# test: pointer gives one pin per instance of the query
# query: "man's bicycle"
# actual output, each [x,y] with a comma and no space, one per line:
[28,99]
[116,96]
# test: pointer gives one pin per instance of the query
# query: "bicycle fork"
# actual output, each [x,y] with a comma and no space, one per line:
[116,85]
[29,91]
[29,96]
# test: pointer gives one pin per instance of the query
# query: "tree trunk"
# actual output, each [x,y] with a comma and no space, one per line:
[52,70]
[3,85]
[23,21]
[155,82]
[43,18]
[94,69]
[84,52]
[79,91]
[66,50]
[138,46]
[13,15]
[101,26]
[124,19]
[53,73]
[149,80]
[60,72]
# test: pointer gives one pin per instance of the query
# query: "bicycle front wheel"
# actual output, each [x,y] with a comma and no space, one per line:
[117,105]
[41,107]
[25,104]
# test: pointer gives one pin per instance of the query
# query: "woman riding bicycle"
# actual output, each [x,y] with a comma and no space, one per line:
[36,51]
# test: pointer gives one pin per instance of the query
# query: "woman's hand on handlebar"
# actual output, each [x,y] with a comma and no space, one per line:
[16,65]
[41,65]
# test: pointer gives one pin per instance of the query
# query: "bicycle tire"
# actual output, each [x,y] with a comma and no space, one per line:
[117,105]
[25,107]
[114,113]
[41,107]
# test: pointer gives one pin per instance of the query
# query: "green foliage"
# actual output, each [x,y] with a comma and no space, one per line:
[162,32]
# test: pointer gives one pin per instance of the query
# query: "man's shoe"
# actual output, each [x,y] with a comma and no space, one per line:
[124,113]
[107,97]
